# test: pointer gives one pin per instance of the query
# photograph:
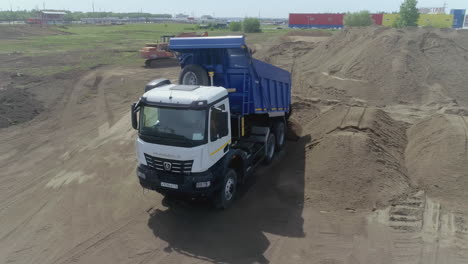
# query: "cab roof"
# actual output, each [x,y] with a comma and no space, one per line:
[184,95]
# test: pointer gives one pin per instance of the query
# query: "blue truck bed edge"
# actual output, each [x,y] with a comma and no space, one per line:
[259,87]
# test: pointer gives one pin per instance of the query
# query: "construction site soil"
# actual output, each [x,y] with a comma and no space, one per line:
[377,171]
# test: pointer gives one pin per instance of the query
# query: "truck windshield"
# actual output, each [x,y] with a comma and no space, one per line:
[177,127]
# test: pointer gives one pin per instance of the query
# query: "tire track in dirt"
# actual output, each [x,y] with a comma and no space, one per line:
[72,100]
[423,232]
[25,221]
[154,257]
[95,242]
[353,118]
[344,117]
[404,217]
[102,105]
[464,122]
[25,189]
[107,236]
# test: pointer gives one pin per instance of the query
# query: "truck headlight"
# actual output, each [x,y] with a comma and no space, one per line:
[141,175]
[203,184]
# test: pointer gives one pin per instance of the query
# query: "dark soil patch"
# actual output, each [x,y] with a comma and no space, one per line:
[17,106]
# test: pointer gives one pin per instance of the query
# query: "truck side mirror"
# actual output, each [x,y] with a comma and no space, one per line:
[133,112]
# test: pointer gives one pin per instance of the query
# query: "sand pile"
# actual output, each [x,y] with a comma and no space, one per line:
[283,54]
[437,156]
[355,159]
[388,66]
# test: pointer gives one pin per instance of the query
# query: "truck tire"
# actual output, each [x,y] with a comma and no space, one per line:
[280,134]
[194,75]
[226,194]
[270,149]
[289,113]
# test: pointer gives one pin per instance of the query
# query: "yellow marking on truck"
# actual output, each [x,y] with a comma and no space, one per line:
[258,109]
[220,148]
[273,109]
[242,127]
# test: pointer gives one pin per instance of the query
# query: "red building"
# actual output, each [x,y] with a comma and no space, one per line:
[325,21]
[51,17]
[377,18]
[316,20]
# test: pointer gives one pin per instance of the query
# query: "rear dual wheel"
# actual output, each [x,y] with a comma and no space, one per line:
[280,133]
[275,142]
[270,149]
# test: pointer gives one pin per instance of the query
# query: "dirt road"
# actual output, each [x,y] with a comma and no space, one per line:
[69,194]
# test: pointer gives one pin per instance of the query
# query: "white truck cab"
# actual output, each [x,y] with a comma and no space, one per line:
[185,143]
[183,125]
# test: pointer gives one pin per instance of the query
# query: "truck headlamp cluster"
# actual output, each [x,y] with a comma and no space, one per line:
[203,184]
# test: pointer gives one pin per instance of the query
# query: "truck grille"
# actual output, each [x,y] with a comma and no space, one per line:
[168,165]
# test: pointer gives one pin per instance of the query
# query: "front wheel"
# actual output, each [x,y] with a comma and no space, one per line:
[225,196]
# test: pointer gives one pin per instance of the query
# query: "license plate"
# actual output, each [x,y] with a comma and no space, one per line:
[169,185]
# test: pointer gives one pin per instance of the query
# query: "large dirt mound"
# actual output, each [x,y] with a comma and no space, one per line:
[284,54]
[437,156]
[388,66]
[355,159]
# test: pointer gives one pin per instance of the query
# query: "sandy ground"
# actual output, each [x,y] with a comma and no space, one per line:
[351,190]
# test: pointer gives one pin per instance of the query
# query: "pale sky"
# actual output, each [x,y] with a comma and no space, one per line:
[223,8]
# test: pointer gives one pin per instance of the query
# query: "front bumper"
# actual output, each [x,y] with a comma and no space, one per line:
[186,184]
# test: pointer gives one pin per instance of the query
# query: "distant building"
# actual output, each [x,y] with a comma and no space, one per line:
[206,17]
[432,10]
[181,16]
[49,17]
[458,17]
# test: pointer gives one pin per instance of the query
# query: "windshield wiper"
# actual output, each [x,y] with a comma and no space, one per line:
[164,135]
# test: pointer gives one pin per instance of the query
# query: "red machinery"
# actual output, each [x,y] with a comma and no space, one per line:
[154,52]
[33,21]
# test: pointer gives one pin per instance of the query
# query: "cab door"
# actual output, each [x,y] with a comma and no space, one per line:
[219,131]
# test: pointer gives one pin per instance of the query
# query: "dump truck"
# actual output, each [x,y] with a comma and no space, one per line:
[205,135]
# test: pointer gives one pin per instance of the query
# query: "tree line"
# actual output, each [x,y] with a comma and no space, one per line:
[249,25]
[409,16]
[76,16]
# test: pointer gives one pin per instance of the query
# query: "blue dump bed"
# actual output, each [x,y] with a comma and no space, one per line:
[255,87]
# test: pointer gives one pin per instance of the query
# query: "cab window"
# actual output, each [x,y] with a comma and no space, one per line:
[218,122]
